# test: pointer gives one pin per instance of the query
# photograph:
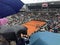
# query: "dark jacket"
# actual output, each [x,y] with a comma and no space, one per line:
[21,41]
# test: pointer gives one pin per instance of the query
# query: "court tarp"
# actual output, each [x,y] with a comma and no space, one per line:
[33,26]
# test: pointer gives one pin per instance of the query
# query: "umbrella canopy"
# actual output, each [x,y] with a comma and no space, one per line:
[15,28]
[9,7]
[45,38]
[19,28]
[10,32]
[3,21]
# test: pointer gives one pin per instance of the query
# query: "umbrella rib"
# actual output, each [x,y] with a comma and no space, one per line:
[7,4]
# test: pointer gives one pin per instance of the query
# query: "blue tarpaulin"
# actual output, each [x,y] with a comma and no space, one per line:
[45,38]
[9,7]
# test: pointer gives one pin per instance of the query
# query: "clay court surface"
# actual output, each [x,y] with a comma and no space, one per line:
[33,26]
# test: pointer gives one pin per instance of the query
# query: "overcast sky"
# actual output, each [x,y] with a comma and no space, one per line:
[36,1]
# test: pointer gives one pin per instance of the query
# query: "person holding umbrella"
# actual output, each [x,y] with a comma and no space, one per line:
[3,41]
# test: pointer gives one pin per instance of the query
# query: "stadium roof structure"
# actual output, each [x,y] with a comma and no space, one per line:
[55,4]
[37,1]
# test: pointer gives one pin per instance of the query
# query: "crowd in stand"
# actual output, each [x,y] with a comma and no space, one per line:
[23,17]
[52,20]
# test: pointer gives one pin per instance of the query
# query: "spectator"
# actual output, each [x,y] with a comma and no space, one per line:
[12,43]
[55,29]
[3,41]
